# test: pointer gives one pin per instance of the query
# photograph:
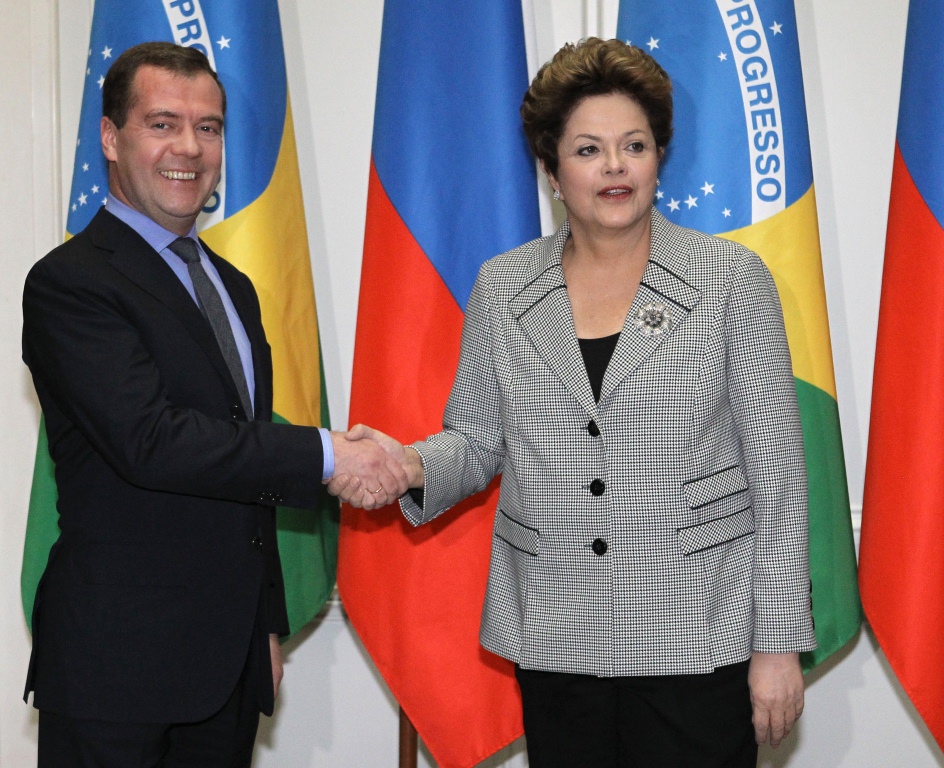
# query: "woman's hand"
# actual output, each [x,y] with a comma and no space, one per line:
[776,683]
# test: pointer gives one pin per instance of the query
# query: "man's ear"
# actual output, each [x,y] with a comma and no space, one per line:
[109,139]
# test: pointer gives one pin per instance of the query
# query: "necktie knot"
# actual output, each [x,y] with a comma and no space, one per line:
[186,249]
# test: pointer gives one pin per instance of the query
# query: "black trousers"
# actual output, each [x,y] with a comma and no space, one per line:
[670,721]
[224,740]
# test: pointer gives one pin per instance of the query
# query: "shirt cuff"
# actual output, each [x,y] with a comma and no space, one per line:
[327,471]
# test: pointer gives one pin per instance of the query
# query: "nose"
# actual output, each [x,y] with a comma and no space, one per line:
[614,161]
[187,144]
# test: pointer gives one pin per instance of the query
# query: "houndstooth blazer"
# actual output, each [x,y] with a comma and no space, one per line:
[662,530]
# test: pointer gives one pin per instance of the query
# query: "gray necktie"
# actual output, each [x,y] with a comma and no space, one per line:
[211,305]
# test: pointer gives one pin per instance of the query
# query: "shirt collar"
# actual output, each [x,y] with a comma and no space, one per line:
[154,234]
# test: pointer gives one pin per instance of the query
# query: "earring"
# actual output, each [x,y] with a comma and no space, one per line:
[557,194]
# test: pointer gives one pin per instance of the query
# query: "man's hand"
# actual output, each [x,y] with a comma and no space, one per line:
[368,468]
[278,671]
[776,683]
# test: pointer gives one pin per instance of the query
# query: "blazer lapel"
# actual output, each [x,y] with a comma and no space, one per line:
[142,265]
[543,311]
[661,304]
[247,307]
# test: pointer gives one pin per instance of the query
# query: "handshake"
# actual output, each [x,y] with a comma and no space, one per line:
[372,469]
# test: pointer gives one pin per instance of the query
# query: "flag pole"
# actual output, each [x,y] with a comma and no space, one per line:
[408,742]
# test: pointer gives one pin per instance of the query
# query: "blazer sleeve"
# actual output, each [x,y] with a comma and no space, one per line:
[763,400]
[90,360]
[465,457]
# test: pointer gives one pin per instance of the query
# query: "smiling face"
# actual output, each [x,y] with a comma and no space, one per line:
[608,166]
[165,160]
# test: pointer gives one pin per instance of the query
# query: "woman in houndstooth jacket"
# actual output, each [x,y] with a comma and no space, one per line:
[631,381]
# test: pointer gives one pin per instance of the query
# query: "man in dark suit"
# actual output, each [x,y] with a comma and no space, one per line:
[156,621]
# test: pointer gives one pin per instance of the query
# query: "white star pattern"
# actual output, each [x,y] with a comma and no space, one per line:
[726,213]
[101,81]
[223,42]
[78,141]
[708,189]
[691,202]
[106,54]
[775,28]
[673,204]
[653,43]
[90,52]
[95,189]
[74,206]
[88,71]
[659,194]
[722,56]
[83,199]
[104,200]
[84,166]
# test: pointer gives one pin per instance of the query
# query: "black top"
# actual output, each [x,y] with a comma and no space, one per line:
[596,356]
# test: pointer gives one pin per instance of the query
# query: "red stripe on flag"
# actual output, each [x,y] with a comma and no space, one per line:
[415,595]
[901,565]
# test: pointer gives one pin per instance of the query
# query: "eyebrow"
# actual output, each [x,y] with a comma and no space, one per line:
[597,138]
[171,114]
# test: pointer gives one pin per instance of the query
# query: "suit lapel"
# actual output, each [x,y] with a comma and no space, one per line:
[142,265]
[663,295]
[542,309]
[247,307]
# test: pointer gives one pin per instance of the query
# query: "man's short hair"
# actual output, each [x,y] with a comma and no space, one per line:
[118,94]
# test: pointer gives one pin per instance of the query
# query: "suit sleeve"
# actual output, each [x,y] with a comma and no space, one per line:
[767,417]
[465,457]
[89,359]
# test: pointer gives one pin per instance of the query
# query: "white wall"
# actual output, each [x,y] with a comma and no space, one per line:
[335,710]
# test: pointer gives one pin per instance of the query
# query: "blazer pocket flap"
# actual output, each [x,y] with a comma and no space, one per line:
[718,485]
[721,530]
[518,535]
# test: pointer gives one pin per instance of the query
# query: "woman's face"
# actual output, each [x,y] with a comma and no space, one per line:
[608,165]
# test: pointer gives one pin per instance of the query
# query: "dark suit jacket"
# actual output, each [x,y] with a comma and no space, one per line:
[167,564]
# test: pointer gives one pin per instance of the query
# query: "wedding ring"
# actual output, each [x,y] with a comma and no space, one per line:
[379,490]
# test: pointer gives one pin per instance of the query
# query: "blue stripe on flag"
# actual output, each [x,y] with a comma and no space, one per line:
[448,143]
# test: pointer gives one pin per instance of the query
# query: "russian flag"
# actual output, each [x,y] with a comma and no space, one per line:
[451,185]
[901,565]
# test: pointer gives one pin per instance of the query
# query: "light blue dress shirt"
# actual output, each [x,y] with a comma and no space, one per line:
[160,239]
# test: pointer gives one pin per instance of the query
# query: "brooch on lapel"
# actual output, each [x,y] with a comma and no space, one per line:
[653,319]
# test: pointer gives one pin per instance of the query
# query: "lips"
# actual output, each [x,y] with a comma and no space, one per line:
[616,192]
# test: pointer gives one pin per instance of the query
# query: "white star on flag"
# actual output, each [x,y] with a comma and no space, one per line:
[84,166]
[101,81]
[659,194]
[653,43]
[223,42]
[88,71]
[722,56]
[74,206]
[104,200]
[83,199]
[95,189]
[726,213]
[673,204]
[775,28]
[106,54]
[691,202]
[708,189]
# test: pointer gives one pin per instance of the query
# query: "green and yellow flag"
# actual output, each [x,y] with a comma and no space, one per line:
[255,219]
[739,166]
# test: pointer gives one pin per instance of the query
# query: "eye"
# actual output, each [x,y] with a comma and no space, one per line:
[587,151]
[160,126]
[212,130]
[636,146]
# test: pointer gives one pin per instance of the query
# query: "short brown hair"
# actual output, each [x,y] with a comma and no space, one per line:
[593,67]
[118,89]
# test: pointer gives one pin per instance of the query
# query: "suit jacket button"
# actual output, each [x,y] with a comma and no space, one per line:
[257,542]
[593,429]
[236,411]
[597,487]
[599,546]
